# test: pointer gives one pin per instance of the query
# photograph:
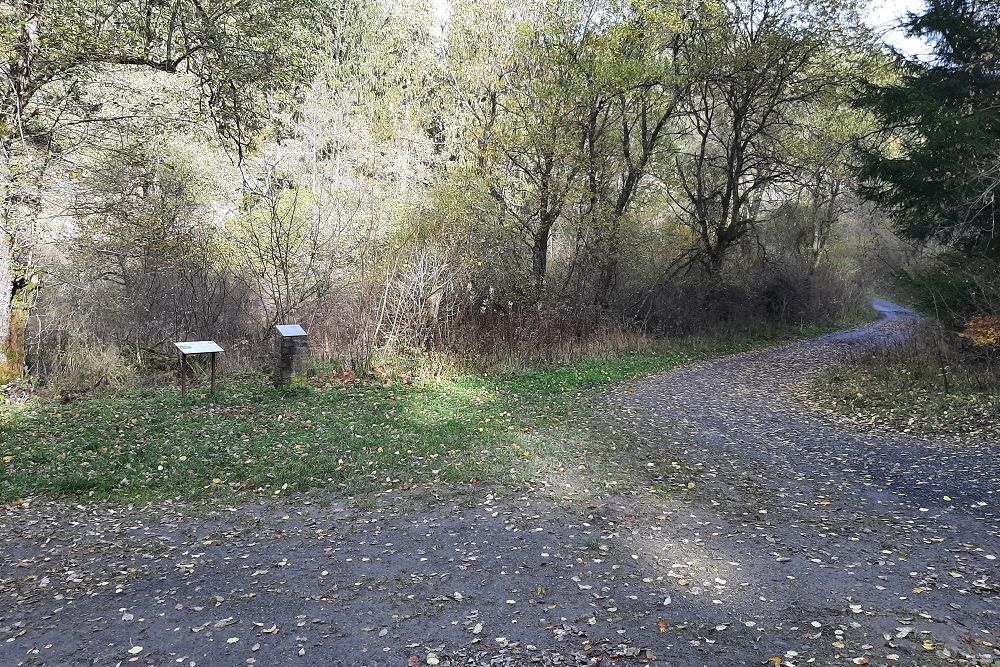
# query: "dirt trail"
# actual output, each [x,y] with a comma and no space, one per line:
[801,538]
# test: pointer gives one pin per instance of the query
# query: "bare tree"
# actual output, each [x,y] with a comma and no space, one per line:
[282,249]
[631,121]
[522,134]
[758,69]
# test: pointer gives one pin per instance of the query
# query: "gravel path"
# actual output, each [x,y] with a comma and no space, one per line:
[754,529]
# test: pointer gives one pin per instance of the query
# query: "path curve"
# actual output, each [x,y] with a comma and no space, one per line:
[901,527]
[753,407]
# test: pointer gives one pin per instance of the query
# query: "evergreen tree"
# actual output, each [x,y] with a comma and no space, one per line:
[939,169]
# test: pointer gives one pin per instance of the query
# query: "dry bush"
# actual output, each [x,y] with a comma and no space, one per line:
[516,338]
[747,296]
[934,382]
[936,358]
[84,368]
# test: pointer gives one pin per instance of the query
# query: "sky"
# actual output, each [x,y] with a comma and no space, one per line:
[885,15]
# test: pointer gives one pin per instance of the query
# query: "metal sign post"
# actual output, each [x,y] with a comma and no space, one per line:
[197,347]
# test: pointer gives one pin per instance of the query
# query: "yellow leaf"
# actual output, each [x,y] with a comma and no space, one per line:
[928,645]
[776,660]
[983,331]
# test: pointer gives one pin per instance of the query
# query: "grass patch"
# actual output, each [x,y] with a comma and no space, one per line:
[893,397]
[931,385]
[355,436]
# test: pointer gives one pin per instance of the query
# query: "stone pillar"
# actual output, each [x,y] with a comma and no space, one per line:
[292,345]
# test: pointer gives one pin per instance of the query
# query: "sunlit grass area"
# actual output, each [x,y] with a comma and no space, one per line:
[354,436]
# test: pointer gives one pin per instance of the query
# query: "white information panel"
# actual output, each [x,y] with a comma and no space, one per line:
[198,347]
[290,330]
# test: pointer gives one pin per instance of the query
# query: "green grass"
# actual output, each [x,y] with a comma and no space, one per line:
[356,437]
[909,397]
[934,383]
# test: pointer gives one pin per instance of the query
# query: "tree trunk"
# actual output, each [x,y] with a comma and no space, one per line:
[8,362]
[724,239]
[608,270]
[16,287]
[824,219]
[20,205]
[539,258]
[716,258]
[15,207]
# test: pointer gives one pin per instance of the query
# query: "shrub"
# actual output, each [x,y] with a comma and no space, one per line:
[84,367]
[955,287]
